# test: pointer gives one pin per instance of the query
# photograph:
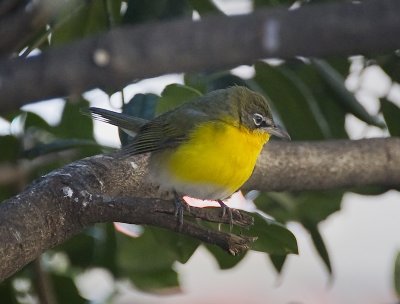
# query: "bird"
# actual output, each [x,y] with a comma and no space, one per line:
[206,148]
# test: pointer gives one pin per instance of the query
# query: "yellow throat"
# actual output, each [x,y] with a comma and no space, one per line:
[218,156]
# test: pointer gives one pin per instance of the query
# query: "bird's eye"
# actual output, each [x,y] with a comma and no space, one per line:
[258,119]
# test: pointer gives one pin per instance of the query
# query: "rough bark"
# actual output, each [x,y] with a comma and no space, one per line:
[331,164]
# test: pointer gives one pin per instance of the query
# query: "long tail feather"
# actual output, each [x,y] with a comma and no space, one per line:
[128,124]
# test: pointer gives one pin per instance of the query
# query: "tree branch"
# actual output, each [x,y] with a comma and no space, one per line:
[95,189]
[121,55]
[329,164]
[64,202]
[18,173]
[7,6]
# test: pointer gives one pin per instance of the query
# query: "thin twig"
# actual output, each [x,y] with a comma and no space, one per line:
[43,283]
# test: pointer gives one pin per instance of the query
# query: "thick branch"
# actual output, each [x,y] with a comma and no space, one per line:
[328,165]
[67,200]
[119,56]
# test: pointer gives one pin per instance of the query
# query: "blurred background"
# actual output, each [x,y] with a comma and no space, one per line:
[348,240]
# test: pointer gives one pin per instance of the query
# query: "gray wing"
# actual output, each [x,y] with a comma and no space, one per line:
[165,131]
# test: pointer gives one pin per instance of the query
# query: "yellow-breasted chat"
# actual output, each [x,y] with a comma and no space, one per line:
[206,148]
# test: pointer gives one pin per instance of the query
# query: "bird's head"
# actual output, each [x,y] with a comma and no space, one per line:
[254,112]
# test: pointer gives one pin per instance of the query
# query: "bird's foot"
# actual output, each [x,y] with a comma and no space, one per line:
[226,210]
[180,207]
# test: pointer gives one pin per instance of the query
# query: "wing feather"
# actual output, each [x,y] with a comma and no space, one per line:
[154,136]
[163,132]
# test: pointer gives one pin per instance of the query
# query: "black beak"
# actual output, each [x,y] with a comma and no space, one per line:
[278,132]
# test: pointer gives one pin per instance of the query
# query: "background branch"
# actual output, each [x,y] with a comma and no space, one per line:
[116,58]
[18,173]
[7,6]
[23,22]
[43,283]
[67,200]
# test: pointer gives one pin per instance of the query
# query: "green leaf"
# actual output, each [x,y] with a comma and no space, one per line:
[347,99]
[312,103]
[105,248]
[281,206]
[38,41]
[94,247]
[277,261]
[73,124]
[86,18]
[291,101]
[340,64]
[114,11]
[197,81]
[224,260]
[206,82]
[316,206]
[80,249]
[34,122]
[10,148]
[225,81]
[333,113]
[173,96]
[309,208]
[65,290]
[396,275]
[147,268]
[260,3]
[180,245]
[7,191]
[139,11]
[156,280]
[204,7]
[319,244]
[7,293]
[391,113]
[73,132]
[369,190]
[273,238]
[391,65]
[141,105]
[39,133]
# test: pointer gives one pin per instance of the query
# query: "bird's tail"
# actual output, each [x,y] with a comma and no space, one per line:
[129,124]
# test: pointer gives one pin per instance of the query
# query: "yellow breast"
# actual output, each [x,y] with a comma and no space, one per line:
[216,155]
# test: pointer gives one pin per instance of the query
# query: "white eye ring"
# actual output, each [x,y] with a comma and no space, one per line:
[258,119]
